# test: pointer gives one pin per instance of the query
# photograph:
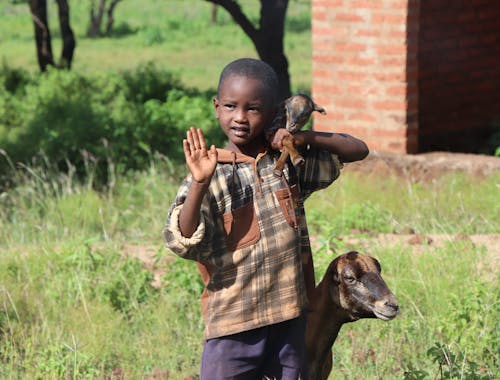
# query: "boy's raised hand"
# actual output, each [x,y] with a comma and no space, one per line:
[200,161]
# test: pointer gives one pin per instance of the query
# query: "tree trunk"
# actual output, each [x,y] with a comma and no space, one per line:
[68,38]
[38,10]
[111,20]
[270,42]
[213,14]
[94,28]
[268,39]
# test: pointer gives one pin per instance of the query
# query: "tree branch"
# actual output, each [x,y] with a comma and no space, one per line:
[240,18]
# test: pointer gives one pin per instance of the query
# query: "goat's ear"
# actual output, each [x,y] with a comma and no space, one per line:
[377,264]
[334,273]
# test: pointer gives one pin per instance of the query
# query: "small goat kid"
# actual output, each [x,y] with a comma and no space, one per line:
[351,289]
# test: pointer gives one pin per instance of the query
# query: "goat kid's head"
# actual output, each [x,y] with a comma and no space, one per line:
[358,288]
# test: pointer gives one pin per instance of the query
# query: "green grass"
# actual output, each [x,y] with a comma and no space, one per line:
[72,307]
[451,204]
[176,35]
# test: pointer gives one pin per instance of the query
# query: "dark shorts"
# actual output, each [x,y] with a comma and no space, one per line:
[276,351]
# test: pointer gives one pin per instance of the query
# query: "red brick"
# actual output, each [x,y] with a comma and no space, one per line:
[327,3]
[322,72]
[399,90]
[331,89]
[360,116]
[380,132]
[351,103]
[399,61]
[389,18]
[330,59]
[350,47]
[349,17]
[359,61]
[365,4]
[391,49]
[352,130]
[367,33]
[390,105]
[352,76]
[390,77]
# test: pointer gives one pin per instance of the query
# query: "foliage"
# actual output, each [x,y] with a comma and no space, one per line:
[124,118]
[176,34]
[451,365]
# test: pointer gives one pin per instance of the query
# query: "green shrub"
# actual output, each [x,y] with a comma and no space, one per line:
[123,118]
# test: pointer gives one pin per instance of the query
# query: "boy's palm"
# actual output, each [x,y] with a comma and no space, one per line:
[200,161]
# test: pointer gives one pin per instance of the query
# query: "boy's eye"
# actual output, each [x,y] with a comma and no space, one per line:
[254,108]
[229,105]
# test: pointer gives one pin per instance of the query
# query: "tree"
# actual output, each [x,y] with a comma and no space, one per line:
[97,16]
[268,37]
[38,9]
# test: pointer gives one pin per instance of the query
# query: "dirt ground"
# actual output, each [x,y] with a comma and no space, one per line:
[426,166]
[416,168]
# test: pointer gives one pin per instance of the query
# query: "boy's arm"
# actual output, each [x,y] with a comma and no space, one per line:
[201,164]
[346,147]
[189,217]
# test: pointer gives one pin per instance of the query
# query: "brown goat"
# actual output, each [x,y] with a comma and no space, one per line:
[351,289]
[298,109]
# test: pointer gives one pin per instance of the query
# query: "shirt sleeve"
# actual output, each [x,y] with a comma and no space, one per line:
[193,247]
[319,171]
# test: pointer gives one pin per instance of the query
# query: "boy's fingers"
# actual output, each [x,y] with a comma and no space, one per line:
[203,143]
[196,139]
[190,142]
[187,151]
[213,152]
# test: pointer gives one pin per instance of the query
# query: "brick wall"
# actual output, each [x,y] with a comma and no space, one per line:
[386,72]
[459,73]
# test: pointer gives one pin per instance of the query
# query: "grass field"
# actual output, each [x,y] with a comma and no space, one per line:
[73,305]
[175,34]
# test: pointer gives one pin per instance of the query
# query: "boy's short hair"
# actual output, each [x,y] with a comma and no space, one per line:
[255,69]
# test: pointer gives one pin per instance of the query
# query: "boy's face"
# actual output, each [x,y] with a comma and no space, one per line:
[244,107]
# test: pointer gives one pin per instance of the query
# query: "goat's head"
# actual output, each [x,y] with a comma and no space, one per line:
[356,286]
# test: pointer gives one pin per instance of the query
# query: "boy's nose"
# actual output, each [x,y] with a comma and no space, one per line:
[240,116]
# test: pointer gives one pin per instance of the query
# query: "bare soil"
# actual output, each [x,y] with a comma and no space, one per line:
[426,166]
[416,168]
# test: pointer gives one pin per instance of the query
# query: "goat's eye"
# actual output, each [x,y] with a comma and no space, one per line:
[348,278]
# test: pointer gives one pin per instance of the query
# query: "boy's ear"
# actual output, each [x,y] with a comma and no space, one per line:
[215,102]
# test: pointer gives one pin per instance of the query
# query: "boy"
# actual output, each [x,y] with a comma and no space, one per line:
[246,228]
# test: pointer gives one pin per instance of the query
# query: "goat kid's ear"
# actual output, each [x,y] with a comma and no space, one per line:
[377,264]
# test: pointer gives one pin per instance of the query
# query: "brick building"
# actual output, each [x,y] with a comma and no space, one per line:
[408,76]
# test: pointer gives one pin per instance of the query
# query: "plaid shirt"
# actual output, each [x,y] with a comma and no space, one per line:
[252,241]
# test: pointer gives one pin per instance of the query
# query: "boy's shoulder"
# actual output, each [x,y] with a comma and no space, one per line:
[225,156]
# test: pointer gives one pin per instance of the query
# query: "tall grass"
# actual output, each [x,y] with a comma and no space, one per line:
[73,306]
[453,203]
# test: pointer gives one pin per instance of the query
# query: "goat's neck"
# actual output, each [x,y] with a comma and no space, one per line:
[324,323]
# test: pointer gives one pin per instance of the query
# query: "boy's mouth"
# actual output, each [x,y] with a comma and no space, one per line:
[240,131]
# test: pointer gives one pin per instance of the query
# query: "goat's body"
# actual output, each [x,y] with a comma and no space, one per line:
[351,289]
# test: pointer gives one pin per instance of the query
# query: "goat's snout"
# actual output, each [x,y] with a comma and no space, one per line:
[393,306]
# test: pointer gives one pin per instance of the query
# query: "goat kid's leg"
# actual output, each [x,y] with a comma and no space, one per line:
[288,150]
[280,164]
[289,143]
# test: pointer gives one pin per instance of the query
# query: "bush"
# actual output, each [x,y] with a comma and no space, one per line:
[121,118]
